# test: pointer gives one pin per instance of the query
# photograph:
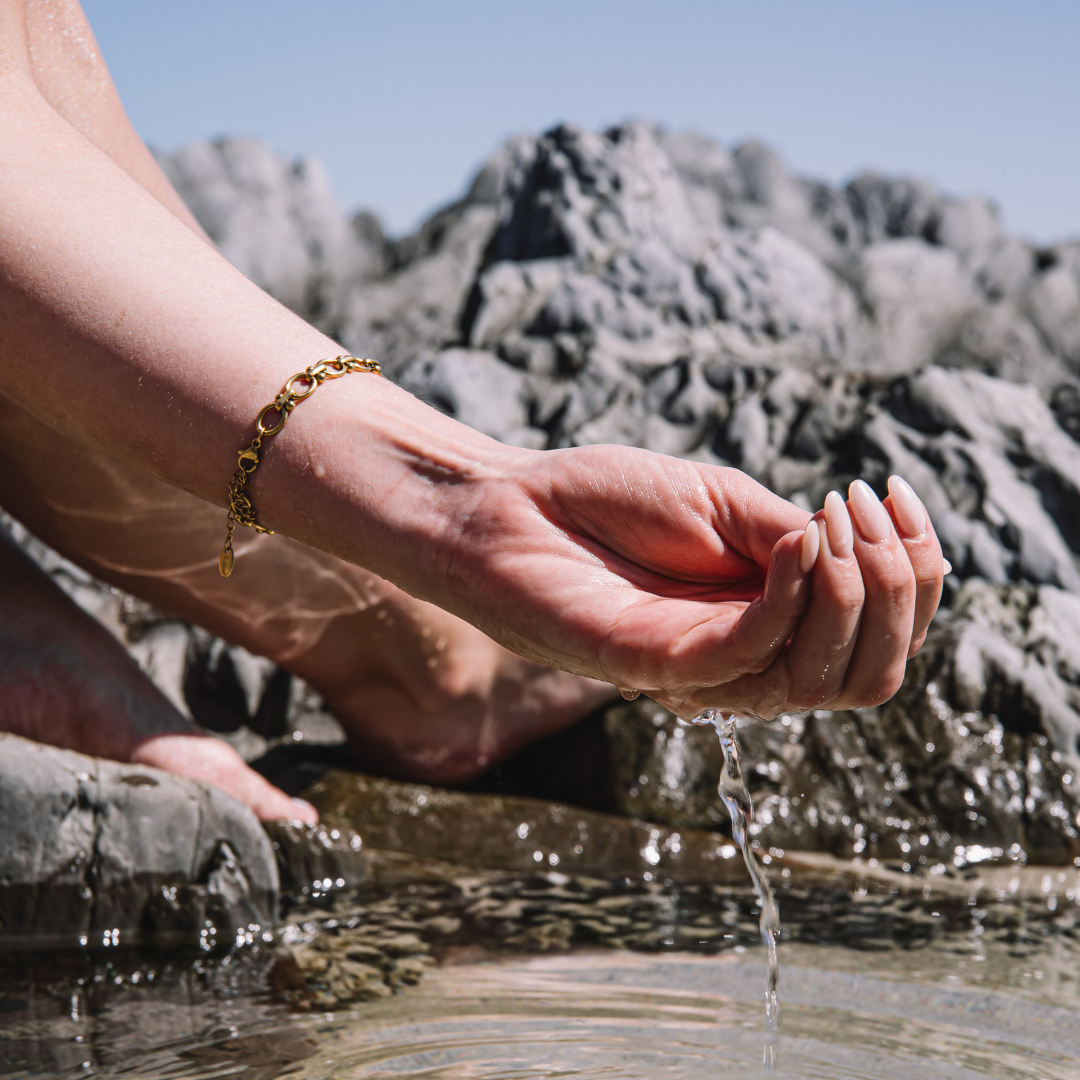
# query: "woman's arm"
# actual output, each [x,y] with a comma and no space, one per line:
[121,328]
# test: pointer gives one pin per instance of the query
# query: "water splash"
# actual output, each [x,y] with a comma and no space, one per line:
[736,797]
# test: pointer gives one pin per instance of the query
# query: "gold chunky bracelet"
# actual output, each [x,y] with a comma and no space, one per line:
[241,508]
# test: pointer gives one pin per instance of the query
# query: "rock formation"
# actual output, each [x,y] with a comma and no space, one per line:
[654,289]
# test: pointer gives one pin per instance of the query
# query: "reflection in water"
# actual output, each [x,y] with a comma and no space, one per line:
[955,1009]
[129,1018]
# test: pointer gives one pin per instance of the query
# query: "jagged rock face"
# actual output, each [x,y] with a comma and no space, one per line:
[653,289]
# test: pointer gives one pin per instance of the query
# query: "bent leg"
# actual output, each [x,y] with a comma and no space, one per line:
[65,681]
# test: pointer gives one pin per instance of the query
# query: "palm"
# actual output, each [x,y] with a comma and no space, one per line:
[634,568]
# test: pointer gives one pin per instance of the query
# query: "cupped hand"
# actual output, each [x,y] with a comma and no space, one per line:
[689,582]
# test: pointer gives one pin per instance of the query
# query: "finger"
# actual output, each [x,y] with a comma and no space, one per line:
[748,647]
[766,625]
[921,544]
[877,664]
[818,655]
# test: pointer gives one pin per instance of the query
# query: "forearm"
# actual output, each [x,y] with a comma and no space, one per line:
[121,329]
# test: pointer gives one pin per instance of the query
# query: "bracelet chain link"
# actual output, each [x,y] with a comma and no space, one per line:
[241,508]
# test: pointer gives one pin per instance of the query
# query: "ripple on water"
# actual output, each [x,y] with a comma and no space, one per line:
[613,1015]
[900,1013]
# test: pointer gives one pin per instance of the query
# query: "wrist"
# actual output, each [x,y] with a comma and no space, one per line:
[367,472]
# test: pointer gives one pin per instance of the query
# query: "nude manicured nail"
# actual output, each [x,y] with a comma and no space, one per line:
[838,523]
[871,516]
[909,511]
[948,566]
[811,544]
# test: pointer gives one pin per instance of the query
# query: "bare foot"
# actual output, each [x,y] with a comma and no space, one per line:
[202,757]
[425,696]
[66,682]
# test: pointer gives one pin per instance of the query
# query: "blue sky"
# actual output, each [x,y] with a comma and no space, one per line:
[404,100]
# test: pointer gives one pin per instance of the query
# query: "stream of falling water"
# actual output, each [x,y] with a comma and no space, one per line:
[732,789]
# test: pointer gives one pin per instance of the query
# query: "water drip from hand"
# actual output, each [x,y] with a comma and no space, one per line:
[733,792]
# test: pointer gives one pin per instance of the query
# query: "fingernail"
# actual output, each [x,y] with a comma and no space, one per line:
[948,566]
[838,523]
[306,809]
[811,544]
[871,517]
[908,508]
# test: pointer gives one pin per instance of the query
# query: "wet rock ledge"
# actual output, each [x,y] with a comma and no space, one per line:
[99,854]
[547,877]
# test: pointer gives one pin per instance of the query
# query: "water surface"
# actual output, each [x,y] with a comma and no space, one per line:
[958,1008]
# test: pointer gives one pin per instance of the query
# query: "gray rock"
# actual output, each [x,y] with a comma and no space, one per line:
[99,854]
[1025,467]
[590,196]
[708,173]
[317,860]
[512,294]
[420,304]
[1053,299]
[766,194]
[473,387]
[277,221]
[644,246]
[971,228]
[919,296]
[747,436]
[773,289]
[1000,340]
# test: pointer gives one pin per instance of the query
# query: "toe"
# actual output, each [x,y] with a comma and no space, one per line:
[202,757]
